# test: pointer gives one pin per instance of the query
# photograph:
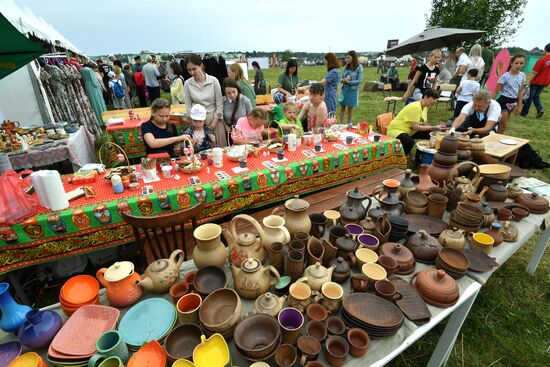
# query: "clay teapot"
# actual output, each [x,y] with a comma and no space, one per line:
[274,231]
[162,273]
[514,191]
[295,213]
[452,238]
[392,205]
[269,304]
[353,209]
[253,279]
[509,232]
[316,275]
[466,185]
[245,245]
[424,247]
[119,281]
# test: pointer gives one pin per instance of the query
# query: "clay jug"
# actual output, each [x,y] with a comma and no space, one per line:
[274,231]
[119,281]
[494,232]
[439,172]
[425,181]
[253,279]
[406,184]
[295,213]
[162,273]
[449,144]
[353,209]
[209,250]
[245,245]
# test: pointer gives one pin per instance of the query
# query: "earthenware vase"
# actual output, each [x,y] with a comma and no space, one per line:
[209,250]
[39,329]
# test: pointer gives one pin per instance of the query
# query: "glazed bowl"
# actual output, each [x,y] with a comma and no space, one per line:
[209,279]
[365,256]
[257,335]
[220,310]
[181,342]
[482,242]
[374,272]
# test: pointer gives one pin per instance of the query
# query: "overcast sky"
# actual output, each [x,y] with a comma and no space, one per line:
[127,26]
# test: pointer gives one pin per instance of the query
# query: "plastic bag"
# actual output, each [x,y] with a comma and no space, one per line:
[15,204]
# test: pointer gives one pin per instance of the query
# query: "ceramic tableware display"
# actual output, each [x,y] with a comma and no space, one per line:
[315,251]
[209,250]
[150,355]
[316,275]
[353,209]
[274,231]
[120,280]
[286,355]
[269,304]
[149,319]
[189,278]
[332,294]
[181,341]
[291,321]
[416,202]
[276,256]
[109,344]
[518,214]
[244,245]
[257,337]
[188,308]
[295,214]
[162,273]
[39,329]
[221,311]
[253,279]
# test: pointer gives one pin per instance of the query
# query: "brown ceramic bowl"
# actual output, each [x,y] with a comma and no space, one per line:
[257,335]
[453,259]
[181,341]
[446,159]
[335,325]
[416,199]
[468,212]
[504,214]
[415,210]
[317,329]
[220,310]
[518,214]
[208,279]
[389,263]
[318,312]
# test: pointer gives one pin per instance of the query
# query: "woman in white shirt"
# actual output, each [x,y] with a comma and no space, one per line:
[477,61]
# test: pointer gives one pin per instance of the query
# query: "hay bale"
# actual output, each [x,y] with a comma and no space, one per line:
[370,86]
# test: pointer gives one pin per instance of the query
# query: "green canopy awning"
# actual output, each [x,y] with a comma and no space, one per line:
[16,50]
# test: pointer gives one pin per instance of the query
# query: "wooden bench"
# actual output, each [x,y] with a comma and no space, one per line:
[143,112]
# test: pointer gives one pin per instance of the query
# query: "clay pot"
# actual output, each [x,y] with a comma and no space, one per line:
[209,250]
[424,247]
[497,192]
[220,311]
[295,213]
[514,191]
[406,184]
[341,271]
[464,155]
[439,173]
[436,205]
[535,203]
[452,238]
[464,141]
[257,336]
[181,341]
[494,232]
[446,159]
[336,350]
[436,287]
[416,199]
[425,179]
[120,282]
[358,342]
[449,144]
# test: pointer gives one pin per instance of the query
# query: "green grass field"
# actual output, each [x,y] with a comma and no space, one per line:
[509,324]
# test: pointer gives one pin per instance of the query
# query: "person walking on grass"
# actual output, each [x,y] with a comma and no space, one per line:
[510,86]
[540,78]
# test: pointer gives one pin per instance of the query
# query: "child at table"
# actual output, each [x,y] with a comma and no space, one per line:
[249,128]
[202,136]
[510,86]
[315,109]
[277,113]
[290,122]
[466,90]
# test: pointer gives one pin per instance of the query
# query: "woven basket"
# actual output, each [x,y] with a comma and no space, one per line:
[183,163]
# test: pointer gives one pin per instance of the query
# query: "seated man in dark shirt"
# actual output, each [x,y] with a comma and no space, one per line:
[158,133]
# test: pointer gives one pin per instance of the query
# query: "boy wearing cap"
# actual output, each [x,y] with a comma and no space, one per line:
[393,76]
[202,136]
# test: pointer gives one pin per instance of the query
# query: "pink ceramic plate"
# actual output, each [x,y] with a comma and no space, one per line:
[79,334]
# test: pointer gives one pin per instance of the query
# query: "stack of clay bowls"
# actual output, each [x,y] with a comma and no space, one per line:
[220,312]
[78,291]
[399,228]
[416,202]
[464,153]
[445,158]
[453,261]
[466,217]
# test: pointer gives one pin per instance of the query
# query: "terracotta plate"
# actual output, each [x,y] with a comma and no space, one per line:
[433,226]
[150,355]
[372,310]
[79,334]
[479,261]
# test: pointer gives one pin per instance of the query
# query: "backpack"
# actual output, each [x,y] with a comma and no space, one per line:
[139,79]
[528,158]
[118,91]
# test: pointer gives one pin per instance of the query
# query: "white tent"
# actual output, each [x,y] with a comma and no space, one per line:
[22,97]
[406,58]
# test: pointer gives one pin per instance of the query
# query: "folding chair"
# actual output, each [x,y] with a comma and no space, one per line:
[446,94]
[390,99]
[383,121]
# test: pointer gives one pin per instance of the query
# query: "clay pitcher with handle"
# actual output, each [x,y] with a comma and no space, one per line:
[295,214]
[244,245]
[119,281]
[274,231]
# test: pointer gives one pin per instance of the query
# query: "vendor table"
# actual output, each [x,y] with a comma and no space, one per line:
[78,149]
[503,152]
[95,223]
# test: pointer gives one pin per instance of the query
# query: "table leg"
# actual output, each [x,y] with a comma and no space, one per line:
[447,340]
[538,251]
[14,281]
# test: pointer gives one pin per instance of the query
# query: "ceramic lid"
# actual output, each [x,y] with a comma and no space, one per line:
[450,137]
[119,271]
[345,244]
[399,252]
[436,285]
[356,194]
[250,265]
[317,270]
[246,239]
[486,209]
[534,202]
[267,301]
[341,266]
[297,204]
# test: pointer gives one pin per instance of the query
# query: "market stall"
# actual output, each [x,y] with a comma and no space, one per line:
[90,224]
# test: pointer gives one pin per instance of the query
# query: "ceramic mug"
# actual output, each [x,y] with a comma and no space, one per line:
[333,217]
[286,355]
[178,290]
[297,245]
[359,283]
[332,294]
[309,348]
[386,289]
[336,349]
[317,312]
[317,329]
[276,255]
[374,272]
[318,224]
[335,325]
[291,321]
[335,232]
[188,308]
[167,171]
[365,256]
[300,295]
[302,237]
[354,230]
[358,341]
[109,344]
[112,362]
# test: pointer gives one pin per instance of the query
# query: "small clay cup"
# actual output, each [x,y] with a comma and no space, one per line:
[318,224]
[359,283]
[295,264]
[389,263]
[286,355]
[309,348]
[335,325]
[188,308]
[178,290]
[336,231]
[317,329]
[518,214]
[336,349]
[302,237]
[314,364]
[438,190]
[276,255]
[386,289]
[291,321]
[297,245]
[504,214]
[188,278]
[317,312]
[436,205]
[358,341]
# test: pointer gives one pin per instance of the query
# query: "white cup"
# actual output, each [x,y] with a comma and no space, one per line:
[167,171]
[150,174]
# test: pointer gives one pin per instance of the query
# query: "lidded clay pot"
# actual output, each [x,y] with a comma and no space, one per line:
[436,287]
[535,203]
[401,254]
[341,271]
[514,191]
[424,247]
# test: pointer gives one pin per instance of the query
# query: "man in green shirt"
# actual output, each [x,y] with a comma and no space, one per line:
[488,56]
